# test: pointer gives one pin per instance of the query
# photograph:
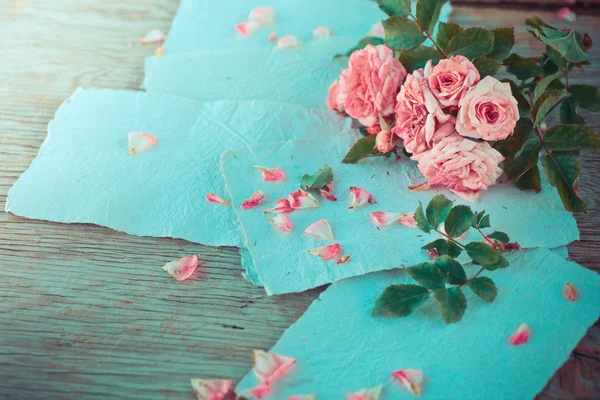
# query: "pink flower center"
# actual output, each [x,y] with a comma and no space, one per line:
[488,112]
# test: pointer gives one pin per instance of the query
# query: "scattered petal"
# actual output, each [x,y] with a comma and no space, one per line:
[282,206]
[160,51]
[262,15]
[213,198]
[153,36]
[382,218]
[322,32]
[521,336]
[254,200]
[320,229]
[301,199]
[311,396]
[282,221]
[288,42]
[247,28]
[566,14]
[570,292]
[271,174]
[270,367]
[365,394]
[411,378]
[377,30]
[272,36]
[326,192]
[210,389]
[432,253]
[360,197]
[326,252]
[140,142]
[257,392]
[183,268]
[343,259]
[408,220]
[420,187]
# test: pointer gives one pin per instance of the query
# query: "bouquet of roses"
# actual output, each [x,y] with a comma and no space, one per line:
[442,105]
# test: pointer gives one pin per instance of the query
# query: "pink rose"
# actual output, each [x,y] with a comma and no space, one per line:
[488,111]
[333,102]
[450,79]
[417,114]
[369,85]
[462,165]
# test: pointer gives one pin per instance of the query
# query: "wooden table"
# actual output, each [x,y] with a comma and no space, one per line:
[86,312]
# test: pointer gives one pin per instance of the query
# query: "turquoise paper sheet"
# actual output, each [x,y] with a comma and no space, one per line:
[282,261]
[84,174]
[341,348]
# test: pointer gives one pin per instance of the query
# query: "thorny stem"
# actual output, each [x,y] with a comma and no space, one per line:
[482,234]
[439,49]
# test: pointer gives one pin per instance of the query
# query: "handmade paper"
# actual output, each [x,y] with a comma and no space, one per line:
[341,348]
[282,259]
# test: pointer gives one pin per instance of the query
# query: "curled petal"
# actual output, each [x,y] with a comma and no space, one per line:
[311,396]
[420,187]
[183,268]
[247,28]
[140,142]
[210,389]
[326,252]
[272,36]
[322,32]
[257,392]
[521,336]
[386,141]
[282,206]
[382,218]
[408,220]
[270,367]
[320,229]
[288,42]
[160,51]
[271,174]
[326,192]
[411,378]
[360,197]
[213,198]
[301,199]
[343,259]
[153,36]
[570,292]
[366,394]
[282,221]
[254,200]
[262,15]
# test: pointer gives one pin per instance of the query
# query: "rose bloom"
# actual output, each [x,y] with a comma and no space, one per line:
[488,111]
[369,85]
[462,165]
[417,114]
[450,79]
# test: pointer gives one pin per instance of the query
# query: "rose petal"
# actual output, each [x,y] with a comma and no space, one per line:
[326,252]
[377,30]
[272,36]
[210,389]
[472,196]
[382,218]
[281,206]
[570,292]
[360,197]
[183,268]
[320,229]
[411,378]
[566,14]
[326,192]
[213,198]
[311,396]
[385,141]
[408,220]
[282,221]
[270,367]
[262,15]
[247,28]
[257,392]
[254,200]
[343,259]
[365,394]
[301,199]
[288,42]
[322,32]
[140,142]
[271,174]
[521,336]
[153,36]
[420,187]
[160,51]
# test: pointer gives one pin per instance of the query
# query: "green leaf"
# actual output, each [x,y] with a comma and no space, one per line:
[504,39]
[523,160]
[402,33]
[523,68]
[458,221]
[454,273]
[568,112]
[421,220]
[501,263]
[437,210]
[484,287]
[563,42]
[482,254]
[395,7]
[530,180]
[452,304]
[571,137]
[486,66]
[485,222]
[418,57]
[529,149]
[522,101]
[477,218]
[542,85]
[536,23]
[446,31]
[375,41]
[444,247]
[322,177]
[562,169]
[499,236]
[471,43]
[427,275]
[428,13]
[399,300]
[586,96]
[364,147]
[545,104]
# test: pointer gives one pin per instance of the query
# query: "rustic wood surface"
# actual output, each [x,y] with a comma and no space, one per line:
[86,312]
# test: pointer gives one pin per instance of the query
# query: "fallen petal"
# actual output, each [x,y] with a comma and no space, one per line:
[326,252]
[254,200]
[213,198]
[270,367]
[521,336]
[377,30]
[210,389]
[262,15]
[471,196]
[288,42]
[311,396]
[365,394]
[140,142]
[301,199]
[153,36]
[282,221]
[408,220]
[411,378]
[326,192]
[272,36]
[182,269]
[257,392]
[566,14]
[420,187]
[570,292]
[247,28]
[360,197]
[320,229]
[281,206]
[271,174]
[160,51]
[343,259]
[432,253]
[322,32]
[382,218]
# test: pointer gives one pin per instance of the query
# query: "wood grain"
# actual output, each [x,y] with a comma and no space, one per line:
[86,312]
